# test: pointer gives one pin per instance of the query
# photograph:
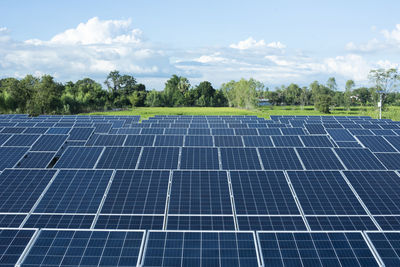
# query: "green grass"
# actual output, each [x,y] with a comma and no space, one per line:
[146,112]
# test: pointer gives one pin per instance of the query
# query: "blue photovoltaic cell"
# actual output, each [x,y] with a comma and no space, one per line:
[152,131]
[240,159]
[257,141]
[36,160]
[139,140]
[390,160]
[169,140]
[394,140]
[175,131]
[387,244]
[4,138]
[11,220]
[287,141]
[59,221]
[80,134]
[269,131]
[376,143]
[79,157]
[316,141]
[159,158]
[12,245]
[198,140]
[371,126]
[360,132]
[379,190]
[221,131]
[280,159]
[244,131]
[211,223]
[340,223]
[128,131]
[85,248]
[319,159]
[262,193]
[228,141]
[49,142]
[119,158]
[110,140]
[14,130]
[137,192]
[384,132]
[324,193]
[292,131]
[102,127]
[388,223]
[315,249]
[199,158]
[359,159]
[200,249]
[58,130]
[192,131]
[9,156]
[129,222]
[21,140]
[315,128]
[340,135]
[348,144]
[200,192]
[36,130]
[75,191]
[20,189]
[271,223]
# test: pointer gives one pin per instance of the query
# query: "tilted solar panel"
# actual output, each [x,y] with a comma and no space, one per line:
[119,158]
[340,223]
[199,158]
[12,245]
[240,159]
[280,159]
[22,140]
[49,142]
[159,158]
[79,157]
[203,222]
[9,156]
[376,143]
[319,159]
[271,223]
[387,244]
[59,221]
[127,222]
[359,159]
[36,160]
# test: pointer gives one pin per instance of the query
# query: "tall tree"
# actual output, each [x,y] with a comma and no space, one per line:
[331,84]
[348,93]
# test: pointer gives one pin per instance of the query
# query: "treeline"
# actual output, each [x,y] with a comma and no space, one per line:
[44,95]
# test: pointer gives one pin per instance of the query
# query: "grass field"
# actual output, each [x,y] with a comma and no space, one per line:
[145,112]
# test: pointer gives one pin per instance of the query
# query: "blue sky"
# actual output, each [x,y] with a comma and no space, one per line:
[276,42]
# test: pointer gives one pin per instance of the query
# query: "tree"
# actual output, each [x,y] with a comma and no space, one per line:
[47,96]
[348,93]
[154,99]
[385,81]
[242,93]
[331,84]
[174,91]
[363,95]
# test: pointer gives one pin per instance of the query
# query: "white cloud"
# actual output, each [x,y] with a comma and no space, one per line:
[251,43]
[351,66]
[393,35]
[4,35]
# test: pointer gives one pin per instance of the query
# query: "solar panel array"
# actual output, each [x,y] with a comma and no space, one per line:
[199,190]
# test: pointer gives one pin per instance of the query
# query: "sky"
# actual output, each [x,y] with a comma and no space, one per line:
[275,42]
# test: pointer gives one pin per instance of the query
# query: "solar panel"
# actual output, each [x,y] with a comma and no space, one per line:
[348,144]
[324,193]
[128,222]
[20,189]
[4,138]
[222,131]
[228,141]
[21,140]
[394,141]
[387,246]
[244,131]
[293,131]
[119,158]
[80,134]
[159,158]
[359,159]
[257,141]
[139,140]
[85,248]
[340,223]
[152,131]
[340,135]
[287,141]
[316,141]
[200,192]
[36,160]
[315,128]
[315,249]
[12,245]
[200,249]
[75,191]
[198,140]
[13,130]
[379,190]
[390,160]
[137,192]
[199,158]
[110,140]
[175,131]
[240,159]
[376,143]
[280,159]
[169,140]
[58,130]
[271,223]
[49,142]
[211,223]
[262,193]
[319,159]
[79,157]
[59,221]
[11,220]
[102,127]
[388,223]
[192,131]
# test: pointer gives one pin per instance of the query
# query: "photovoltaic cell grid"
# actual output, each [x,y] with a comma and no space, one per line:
[119,158]
[387,244]
[79,157]
[12,245]
[319,159]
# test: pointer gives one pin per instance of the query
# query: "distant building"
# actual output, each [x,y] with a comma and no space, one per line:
[263,102]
